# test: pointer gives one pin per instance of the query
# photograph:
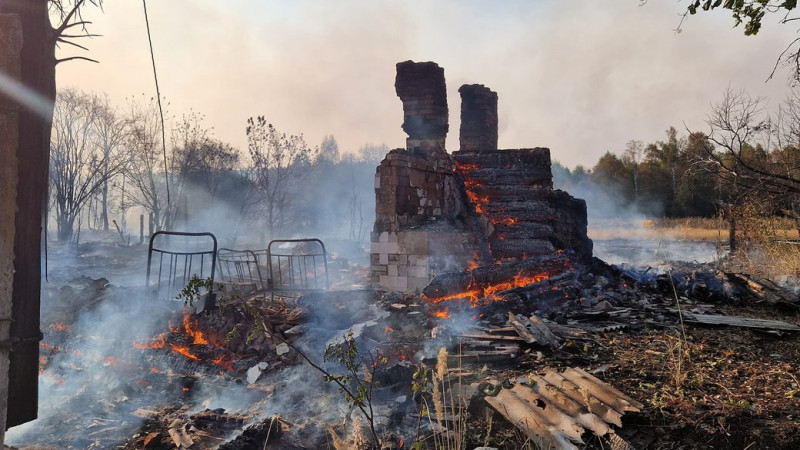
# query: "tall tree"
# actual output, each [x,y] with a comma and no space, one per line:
[112,130]
[146,171]
[280,162]
[329,149]
[634,152]
[38,63]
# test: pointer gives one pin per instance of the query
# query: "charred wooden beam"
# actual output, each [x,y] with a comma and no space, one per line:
[482,280]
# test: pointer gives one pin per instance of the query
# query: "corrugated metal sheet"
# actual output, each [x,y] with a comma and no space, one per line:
[557,409]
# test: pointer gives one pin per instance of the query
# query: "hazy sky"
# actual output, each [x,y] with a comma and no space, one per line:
[579,77]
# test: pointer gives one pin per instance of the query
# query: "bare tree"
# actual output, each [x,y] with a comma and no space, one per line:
[280,163]
[80,166]
[112,131]
[634,152]
[146,172]
[199,158]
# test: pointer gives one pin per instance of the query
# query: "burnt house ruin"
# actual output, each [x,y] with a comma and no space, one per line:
[438,212]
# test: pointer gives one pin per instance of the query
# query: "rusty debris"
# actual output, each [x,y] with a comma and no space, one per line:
[557,409]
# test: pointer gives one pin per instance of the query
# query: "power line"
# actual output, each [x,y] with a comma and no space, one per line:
[158,97]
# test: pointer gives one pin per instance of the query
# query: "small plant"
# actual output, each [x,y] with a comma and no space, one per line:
[357,382]
[196,287]
[444,399]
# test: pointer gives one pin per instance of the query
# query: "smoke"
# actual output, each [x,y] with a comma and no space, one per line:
[623,232]
[579,80]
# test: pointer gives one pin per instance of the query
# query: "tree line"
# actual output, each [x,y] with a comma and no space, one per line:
[106,159]
[746,162]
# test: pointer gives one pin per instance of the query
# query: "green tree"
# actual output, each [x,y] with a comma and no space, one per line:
[751,13]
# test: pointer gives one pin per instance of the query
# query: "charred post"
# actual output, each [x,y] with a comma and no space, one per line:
[10,46]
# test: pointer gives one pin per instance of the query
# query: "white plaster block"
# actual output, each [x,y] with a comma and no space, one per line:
[383,258]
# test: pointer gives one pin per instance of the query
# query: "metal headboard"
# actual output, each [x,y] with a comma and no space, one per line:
[300,267]
[178,256]
[242,267]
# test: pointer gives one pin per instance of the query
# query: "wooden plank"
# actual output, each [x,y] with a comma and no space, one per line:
[735,321]
[521,329]
[492,337]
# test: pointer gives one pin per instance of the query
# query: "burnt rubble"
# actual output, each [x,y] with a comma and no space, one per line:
[438,213]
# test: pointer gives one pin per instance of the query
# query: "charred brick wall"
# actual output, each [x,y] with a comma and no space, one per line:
[478,118]
[513,190]
[422,89]
[436,212]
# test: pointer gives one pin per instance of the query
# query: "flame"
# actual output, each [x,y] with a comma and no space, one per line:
[465,167]
[488,293]
[186,389]
[478,201]
[442,313]
[159,342]
[224,361]
[58,326]
[110,361]
[505,220]
[388,330]
[42,363]
[473,263]
[183,350]
[197,335]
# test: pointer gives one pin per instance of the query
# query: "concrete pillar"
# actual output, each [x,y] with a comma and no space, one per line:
[10,49]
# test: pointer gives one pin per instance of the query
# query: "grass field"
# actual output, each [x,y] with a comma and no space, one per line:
[768,247]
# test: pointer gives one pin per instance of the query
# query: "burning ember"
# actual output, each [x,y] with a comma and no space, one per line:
[195,337]
[475,293]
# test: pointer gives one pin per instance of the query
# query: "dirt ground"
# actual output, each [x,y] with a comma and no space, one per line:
[723,388]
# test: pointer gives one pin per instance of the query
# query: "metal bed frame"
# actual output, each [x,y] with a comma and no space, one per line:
[176,265]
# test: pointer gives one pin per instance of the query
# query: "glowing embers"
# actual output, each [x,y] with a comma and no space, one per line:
[189,341]
[480,295]
[486,284]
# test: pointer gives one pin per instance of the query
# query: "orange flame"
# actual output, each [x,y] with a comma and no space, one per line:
[159,342]
[59,326]
[505,220]
[197,335]
[442,313]
[488,293]
[473,263]
[183,350]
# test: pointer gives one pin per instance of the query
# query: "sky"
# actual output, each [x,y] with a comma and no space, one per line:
[580,77]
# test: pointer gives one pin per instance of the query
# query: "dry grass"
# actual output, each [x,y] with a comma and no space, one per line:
[768,246]
[690,228]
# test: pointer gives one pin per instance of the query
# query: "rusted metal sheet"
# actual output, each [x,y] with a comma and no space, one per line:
[557,409]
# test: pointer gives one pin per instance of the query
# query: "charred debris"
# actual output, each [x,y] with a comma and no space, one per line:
[482,304]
